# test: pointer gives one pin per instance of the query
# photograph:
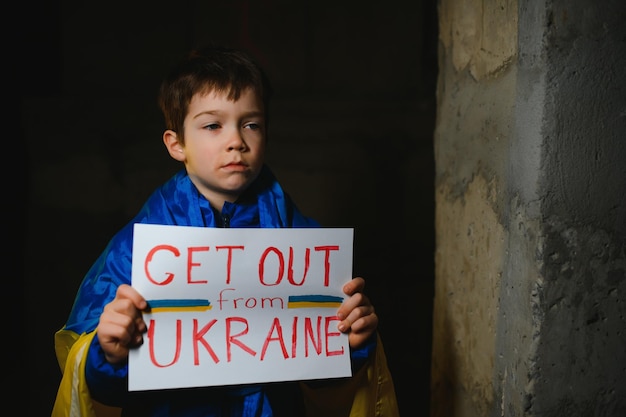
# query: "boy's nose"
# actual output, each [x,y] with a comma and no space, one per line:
[236,141]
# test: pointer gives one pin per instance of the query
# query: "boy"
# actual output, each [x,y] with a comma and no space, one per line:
[215,105]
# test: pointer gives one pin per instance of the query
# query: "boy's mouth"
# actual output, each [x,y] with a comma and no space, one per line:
[236,165]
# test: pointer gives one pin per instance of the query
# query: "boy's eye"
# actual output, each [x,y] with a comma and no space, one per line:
[212,126]
[253,126]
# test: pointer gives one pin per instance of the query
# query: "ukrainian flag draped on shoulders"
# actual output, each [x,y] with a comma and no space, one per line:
[177,202]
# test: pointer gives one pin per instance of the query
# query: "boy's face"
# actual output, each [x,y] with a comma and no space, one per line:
[224,145]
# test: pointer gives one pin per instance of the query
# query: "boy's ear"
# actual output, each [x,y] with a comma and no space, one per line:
[173,145]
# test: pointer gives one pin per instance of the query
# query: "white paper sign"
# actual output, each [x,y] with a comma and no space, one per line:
[239,306]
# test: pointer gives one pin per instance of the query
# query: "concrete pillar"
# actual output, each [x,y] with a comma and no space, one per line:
[529,308]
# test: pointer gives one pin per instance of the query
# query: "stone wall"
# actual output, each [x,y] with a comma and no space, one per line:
[529,311]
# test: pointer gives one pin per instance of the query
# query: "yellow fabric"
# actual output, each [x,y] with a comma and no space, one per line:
[369,393]
[73,397]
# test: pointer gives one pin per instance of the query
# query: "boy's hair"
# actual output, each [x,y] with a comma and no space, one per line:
[210,69]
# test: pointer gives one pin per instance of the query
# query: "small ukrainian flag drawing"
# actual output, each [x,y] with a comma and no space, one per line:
[313,300]
[161,306]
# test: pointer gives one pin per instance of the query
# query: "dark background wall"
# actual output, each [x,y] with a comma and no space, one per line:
[351,141]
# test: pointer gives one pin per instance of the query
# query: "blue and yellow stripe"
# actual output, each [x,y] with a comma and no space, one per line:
[313,300]
[161,306]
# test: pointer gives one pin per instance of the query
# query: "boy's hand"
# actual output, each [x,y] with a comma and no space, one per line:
[121,324]
[357,314]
